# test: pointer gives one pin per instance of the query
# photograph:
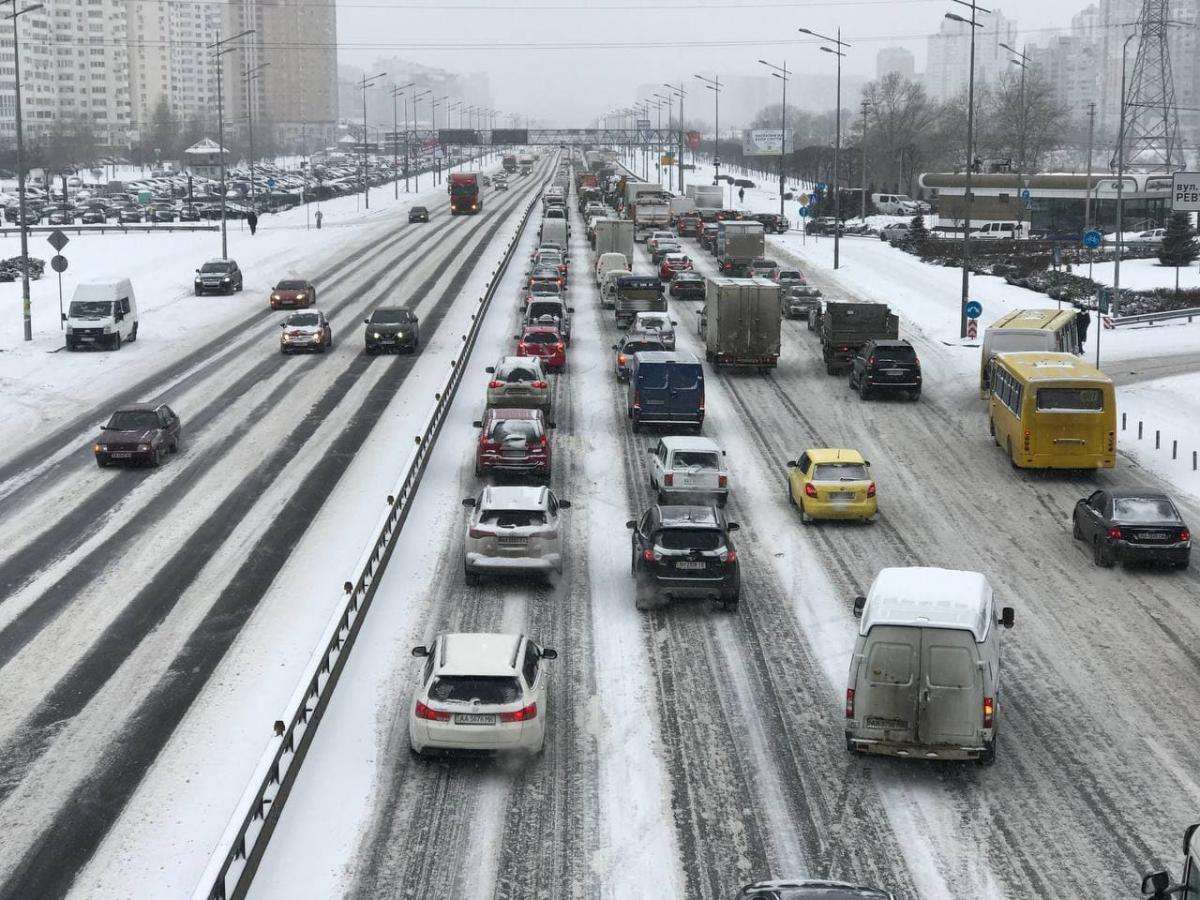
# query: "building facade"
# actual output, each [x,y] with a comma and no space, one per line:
[897,60]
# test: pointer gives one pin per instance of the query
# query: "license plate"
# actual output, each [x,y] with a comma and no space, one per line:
[88,340]
[121,455]
[841,495]
[512,454]
[690,565]
[512,541]
[1149,536]
[889,724]
[474,719]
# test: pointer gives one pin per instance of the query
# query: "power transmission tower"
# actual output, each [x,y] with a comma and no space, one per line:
[1151,136]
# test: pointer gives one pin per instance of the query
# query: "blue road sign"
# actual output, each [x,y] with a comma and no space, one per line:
[271,183]
[1029,204]
[820,188]
[974,309]
[804,212]
[1092,239]
[1025,194]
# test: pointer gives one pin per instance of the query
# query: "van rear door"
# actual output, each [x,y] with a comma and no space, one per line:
[686,392]
[951,699]
[887,685]
[653,390]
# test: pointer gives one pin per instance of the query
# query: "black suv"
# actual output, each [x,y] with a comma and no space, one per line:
[218,276]
[418,214]
[684,551]
[772,222]
[392,328]
[886,366]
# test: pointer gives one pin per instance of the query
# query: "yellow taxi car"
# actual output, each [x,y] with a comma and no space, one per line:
[831,484]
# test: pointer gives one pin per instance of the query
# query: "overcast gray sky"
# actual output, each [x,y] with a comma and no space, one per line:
[514,40]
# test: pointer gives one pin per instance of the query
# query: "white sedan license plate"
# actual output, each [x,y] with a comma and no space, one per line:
[689,565]
[474,719]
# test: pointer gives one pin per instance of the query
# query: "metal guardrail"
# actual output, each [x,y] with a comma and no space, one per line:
[1163,316]
[101,229]
[235,860]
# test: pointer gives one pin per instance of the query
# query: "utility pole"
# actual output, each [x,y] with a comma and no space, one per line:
[966,251]
[1023,61]
[221,50]
[836,50]
[398,92]
[364,84]
[1087,203]
[781,72]
[1116,291]
[26,303]
[714,84]
[866,104]
[416,125]
[251,76]
[681,94]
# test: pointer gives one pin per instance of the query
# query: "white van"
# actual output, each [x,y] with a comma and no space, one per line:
[101,314]
[895,204]
[608,262]
[1001,231]
[554,231]
[608,287]
[925,673]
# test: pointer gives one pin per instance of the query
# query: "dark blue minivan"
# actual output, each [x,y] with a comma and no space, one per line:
[666,389]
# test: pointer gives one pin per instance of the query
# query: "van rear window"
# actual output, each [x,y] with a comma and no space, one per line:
[1070,399]
[889,663]
[950,667]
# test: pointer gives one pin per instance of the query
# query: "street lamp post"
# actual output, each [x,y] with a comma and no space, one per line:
[26,303]
[866,104]
[714,84]
[681,93]
[398,92]
[251,76]
[433,105]
[1023,61]
[366,82]
[221,50]
[1116,291]
[836,50]
[781,72]
[970,200]
[416,126]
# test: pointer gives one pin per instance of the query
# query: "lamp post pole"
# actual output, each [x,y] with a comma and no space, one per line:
[366,82]
[416,125]
[26,303]
[866,104]
[1023,61]
[970,200]
[836,50]
[221,50]
[398,92]
[251,76]
[714,84]
[781,72]
[1116,291]
[681,93]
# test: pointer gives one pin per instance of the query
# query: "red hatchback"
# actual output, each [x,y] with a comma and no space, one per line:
[514,442]
[543,341]
[673,263]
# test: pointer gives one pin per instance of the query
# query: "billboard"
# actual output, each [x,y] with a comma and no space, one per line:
[510,136]
[1185,191]
[762,141]
[458,136]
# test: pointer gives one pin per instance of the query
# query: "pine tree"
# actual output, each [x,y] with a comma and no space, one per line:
[918,234]
[1179,246]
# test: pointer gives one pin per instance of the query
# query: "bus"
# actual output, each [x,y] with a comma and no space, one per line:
[1052,330]
[1052,411]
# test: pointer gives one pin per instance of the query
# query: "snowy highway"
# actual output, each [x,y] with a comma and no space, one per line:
[155,621]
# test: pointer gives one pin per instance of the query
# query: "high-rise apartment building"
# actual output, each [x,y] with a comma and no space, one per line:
[896,60]
[949,54]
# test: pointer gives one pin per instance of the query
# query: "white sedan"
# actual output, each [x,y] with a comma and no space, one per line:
[480,692]
[513,529]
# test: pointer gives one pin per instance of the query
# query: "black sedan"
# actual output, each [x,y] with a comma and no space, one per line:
[1132,525]
[688,286]
[418,214]
[392,329]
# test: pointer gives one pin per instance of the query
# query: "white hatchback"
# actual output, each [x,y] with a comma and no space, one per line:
[480,692]
[688,470]
[513,529]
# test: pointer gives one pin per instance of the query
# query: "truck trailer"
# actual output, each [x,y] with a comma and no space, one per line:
[847,327]
[738,245]
[742,322]
[613,236]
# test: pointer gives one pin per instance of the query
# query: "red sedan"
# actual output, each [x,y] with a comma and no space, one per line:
[543,341]
[673,263]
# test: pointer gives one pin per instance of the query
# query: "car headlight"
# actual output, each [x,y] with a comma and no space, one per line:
[225,280]
[197,279]
[100,448]
[143,446]
[70,330]
[274,296]
[376,335]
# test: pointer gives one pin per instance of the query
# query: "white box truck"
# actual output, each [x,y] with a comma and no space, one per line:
[613,236]
[742,322]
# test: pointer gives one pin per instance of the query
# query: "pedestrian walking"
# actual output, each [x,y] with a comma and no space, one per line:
[1082,320]
[252,220]
[741,194]
[318,217]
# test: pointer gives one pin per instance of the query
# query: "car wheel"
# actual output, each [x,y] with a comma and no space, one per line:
[1076,531]
[1182,564]
[133,334]
[787,486]
[419,754]
[175,443]
[988,756]
[732,603]
[1099,557]
[864,392]
[198,292]
[102,463]
[850,748]
[160,455]
[470,577]
[370,351]
[804,516]
[915,395]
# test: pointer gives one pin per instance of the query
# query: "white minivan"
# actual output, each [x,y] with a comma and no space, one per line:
[101,314]
[1001,231]
[925,672]
[610,262]
[608,287]
[895,204]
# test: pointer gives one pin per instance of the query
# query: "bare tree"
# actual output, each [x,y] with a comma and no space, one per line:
[1022,123]
[901,129]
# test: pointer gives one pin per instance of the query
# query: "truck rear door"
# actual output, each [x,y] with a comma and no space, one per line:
[951,703]
[686,394]
[887,687]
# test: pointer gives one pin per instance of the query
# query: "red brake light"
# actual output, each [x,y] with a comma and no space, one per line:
[433,715]
[1113,534]
[648,555]
[521,715]
[849,703]
[476,533]
[669,479]
[870,360]
[495,384]
[540,385]
[871,489]
[989,711]
[809,489]
[620,359]
[917,363]
[1184,534]
[722,480]
[729,556]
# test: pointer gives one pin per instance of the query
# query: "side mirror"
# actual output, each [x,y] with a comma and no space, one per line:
[867,463]
[491,370]
[733,526]
[478,423]
[631,524]
[197,270]
[549,653]
[792,464]
[64,317]
[1156,884]
[283,324]
[653,451]
[1007,617]
[516,337]
[859,604]
[366,321]
[469,501]
[564,504]
[420,651]
[615,347]
[570,309]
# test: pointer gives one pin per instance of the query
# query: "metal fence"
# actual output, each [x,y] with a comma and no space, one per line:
[1163,316]
[239,852]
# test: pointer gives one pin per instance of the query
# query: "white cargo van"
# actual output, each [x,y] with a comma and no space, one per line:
[608,287]
[101,314]
[554,231]
[925,673]
[895,204]
[608,262]
[1000,231]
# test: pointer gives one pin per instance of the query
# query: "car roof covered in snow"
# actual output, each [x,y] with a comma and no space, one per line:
[929,597]
[478,654]
[513,496]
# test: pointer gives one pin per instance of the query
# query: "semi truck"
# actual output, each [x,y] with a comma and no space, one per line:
[464,193]
[706,196]
[613,236]
[741,322]
[847,327]
[510,163]
[650,211]
[738,245]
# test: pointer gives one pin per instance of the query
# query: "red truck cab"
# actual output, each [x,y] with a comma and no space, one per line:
[464,193]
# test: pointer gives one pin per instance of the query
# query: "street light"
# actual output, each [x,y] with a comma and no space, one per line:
[366,82]
[866,105]
[26,305]
[252,75]
[398,92]
[433,105]
[221,50]
[1023,61]
[781,72]
[680,93]
[966,262]
[836,50]
[1116,291]
[416,127]
[714,85]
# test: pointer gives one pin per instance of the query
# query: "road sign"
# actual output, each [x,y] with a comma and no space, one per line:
[972,328]
[643,123]
[1029,204]
[1104,299]
[693,139]
[57,239]
[1185,191]
[270,184]
[820,188]
[716,161]
[1092,239]
[58,263]
[804,212]
[1025,195]
[666,160]
[974,309]
[804,198]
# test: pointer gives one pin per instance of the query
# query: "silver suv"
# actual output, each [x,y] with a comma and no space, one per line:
[519,381]
[513,529]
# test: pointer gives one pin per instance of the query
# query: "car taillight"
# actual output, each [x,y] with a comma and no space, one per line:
[495,384]
[486,443]
[728,556]
[870,360]
[722,480]
[871,489]
[989,711]
[648,555]
[540,385]
[521,715]
[1184,534]
[544,440]
[560,282]
[669,479]
[1113,534]
[433,715]
[620,359]
[917,363]
[1028,439]
[520,348]
[849,703]
[478,533]
[809,490]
